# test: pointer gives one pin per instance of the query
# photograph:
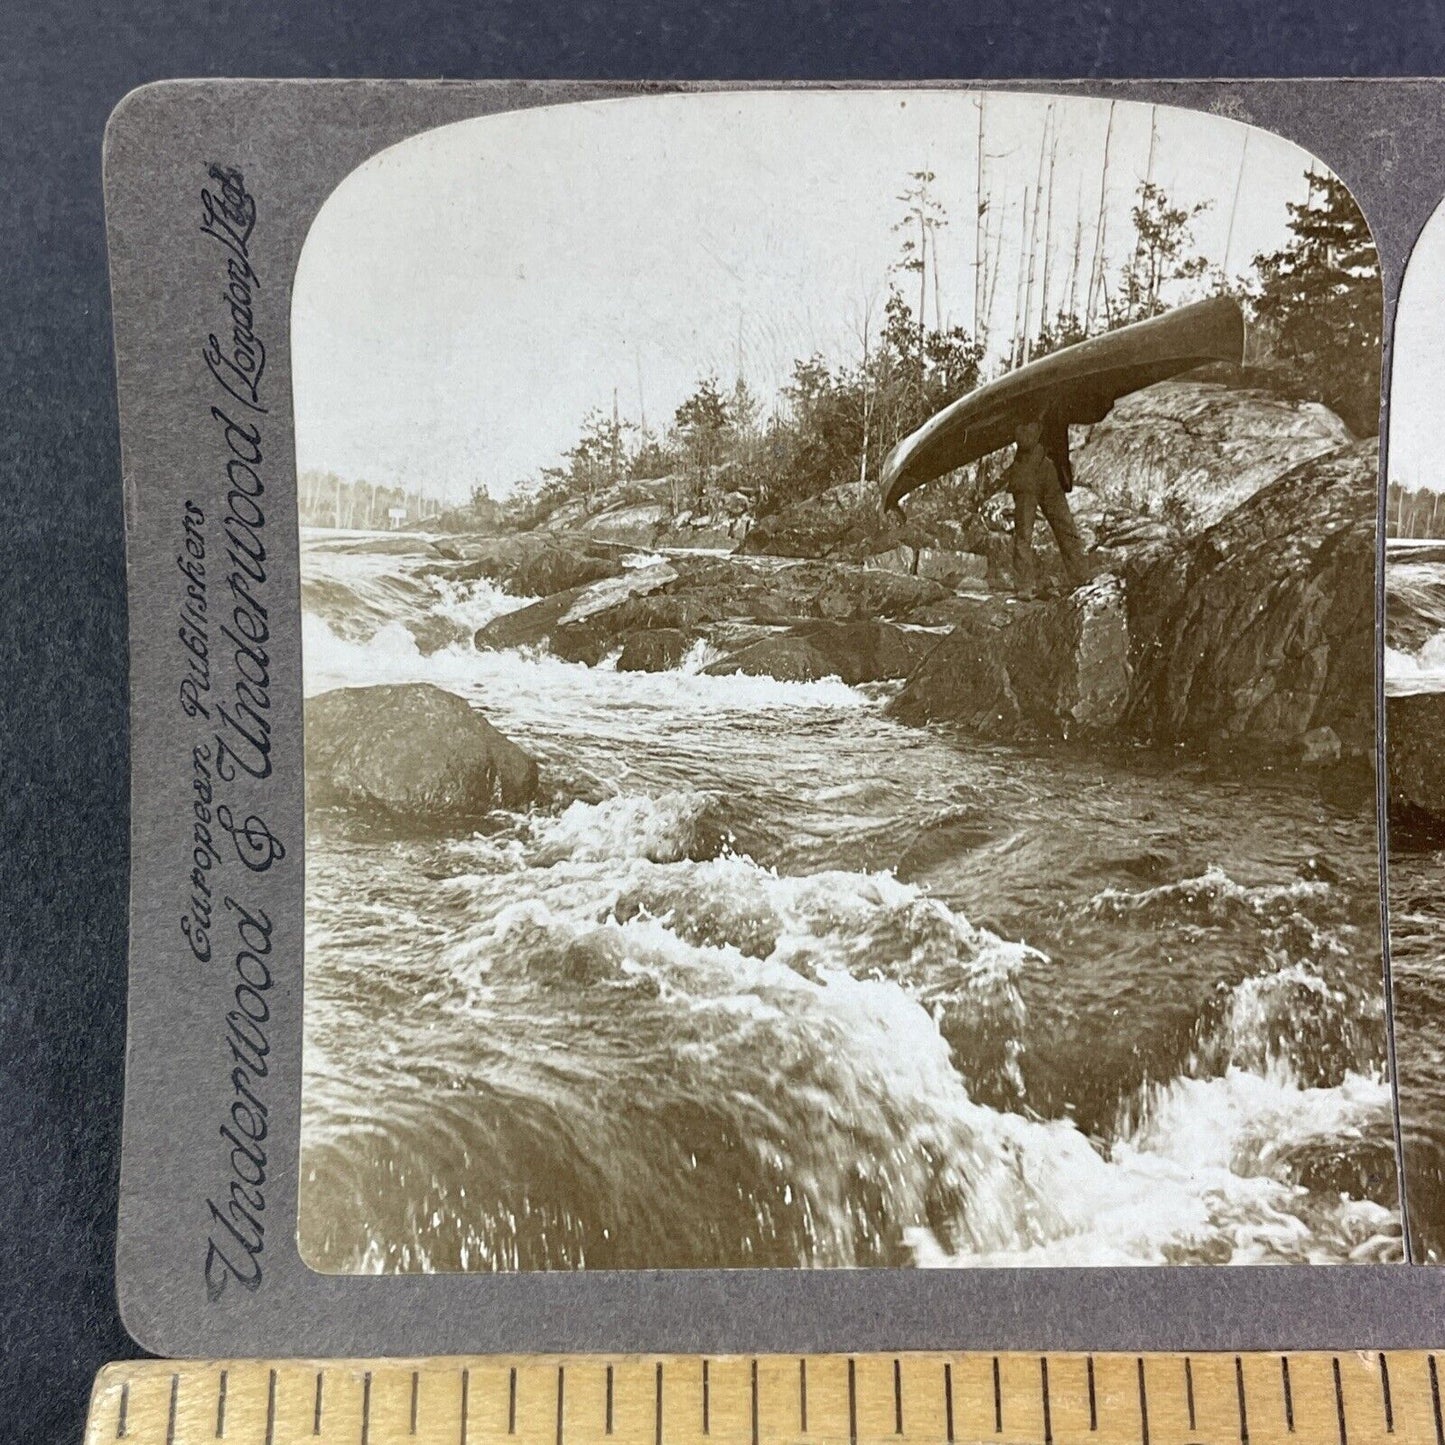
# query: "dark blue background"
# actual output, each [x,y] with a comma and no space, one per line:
[63,847]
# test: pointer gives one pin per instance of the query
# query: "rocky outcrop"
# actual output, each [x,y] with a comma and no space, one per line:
[1019,669]
[531,564]
[580,619]
[854,652]
[691,594]
[412,753]
[1262,629]
[1415,760]
[1199,447]
[1257,634]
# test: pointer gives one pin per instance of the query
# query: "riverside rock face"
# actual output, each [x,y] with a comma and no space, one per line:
[1029,669]
[413,752]
[1258,633]
[1415,759]
[1261,630]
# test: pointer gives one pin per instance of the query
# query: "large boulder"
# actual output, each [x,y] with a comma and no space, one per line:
[637,524]
[1415,760]
[1198,449]
[1028,669]
[414,753]
[575,624]
[854,652]
[659,649]
[1261,630]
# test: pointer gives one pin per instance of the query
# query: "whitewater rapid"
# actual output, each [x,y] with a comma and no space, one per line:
[767,978]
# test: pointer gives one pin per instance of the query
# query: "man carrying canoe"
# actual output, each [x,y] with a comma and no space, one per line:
[1033,478]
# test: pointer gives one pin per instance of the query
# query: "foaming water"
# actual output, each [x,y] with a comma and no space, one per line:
[1415,618]
[766,978]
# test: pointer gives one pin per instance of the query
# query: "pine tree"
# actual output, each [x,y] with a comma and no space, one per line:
[1319,302]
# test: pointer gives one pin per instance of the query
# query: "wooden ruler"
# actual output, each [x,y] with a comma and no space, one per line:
[1351,1398]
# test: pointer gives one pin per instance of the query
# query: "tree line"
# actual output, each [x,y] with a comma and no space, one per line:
[1315,309]
[327,500]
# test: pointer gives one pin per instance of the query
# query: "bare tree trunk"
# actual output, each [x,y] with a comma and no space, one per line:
[993,270]
[979,325]
[1016,344]
[867,396]
[1044,313]
[1033,249]
[1234,204]
[1138,256]
[1072,302]
[1096,269]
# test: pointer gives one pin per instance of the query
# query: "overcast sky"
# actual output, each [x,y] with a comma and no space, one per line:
[1418,385]
[464,297]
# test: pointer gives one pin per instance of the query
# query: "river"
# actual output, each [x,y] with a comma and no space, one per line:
[767,978]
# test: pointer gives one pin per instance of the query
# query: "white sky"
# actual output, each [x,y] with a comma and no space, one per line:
[464,297]
[1415,458]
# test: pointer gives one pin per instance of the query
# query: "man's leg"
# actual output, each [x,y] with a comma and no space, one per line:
[1054,504]
[1024,504]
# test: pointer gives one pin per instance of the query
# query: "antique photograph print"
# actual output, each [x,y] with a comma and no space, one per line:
[839,652]
[1415,730]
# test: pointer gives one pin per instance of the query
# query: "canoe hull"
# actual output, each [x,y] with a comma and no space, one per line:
[1079,384]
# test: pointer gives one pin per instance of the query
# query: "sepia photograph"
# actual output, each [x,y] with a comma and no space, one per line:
[839,648]
[1415,732]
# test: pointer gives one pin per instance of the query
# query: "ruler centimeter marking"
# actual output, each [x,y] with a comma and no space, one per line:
[1355,1398]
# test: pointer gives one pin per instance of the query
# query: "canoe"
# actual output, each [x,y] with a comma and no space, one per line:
[1077,385]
